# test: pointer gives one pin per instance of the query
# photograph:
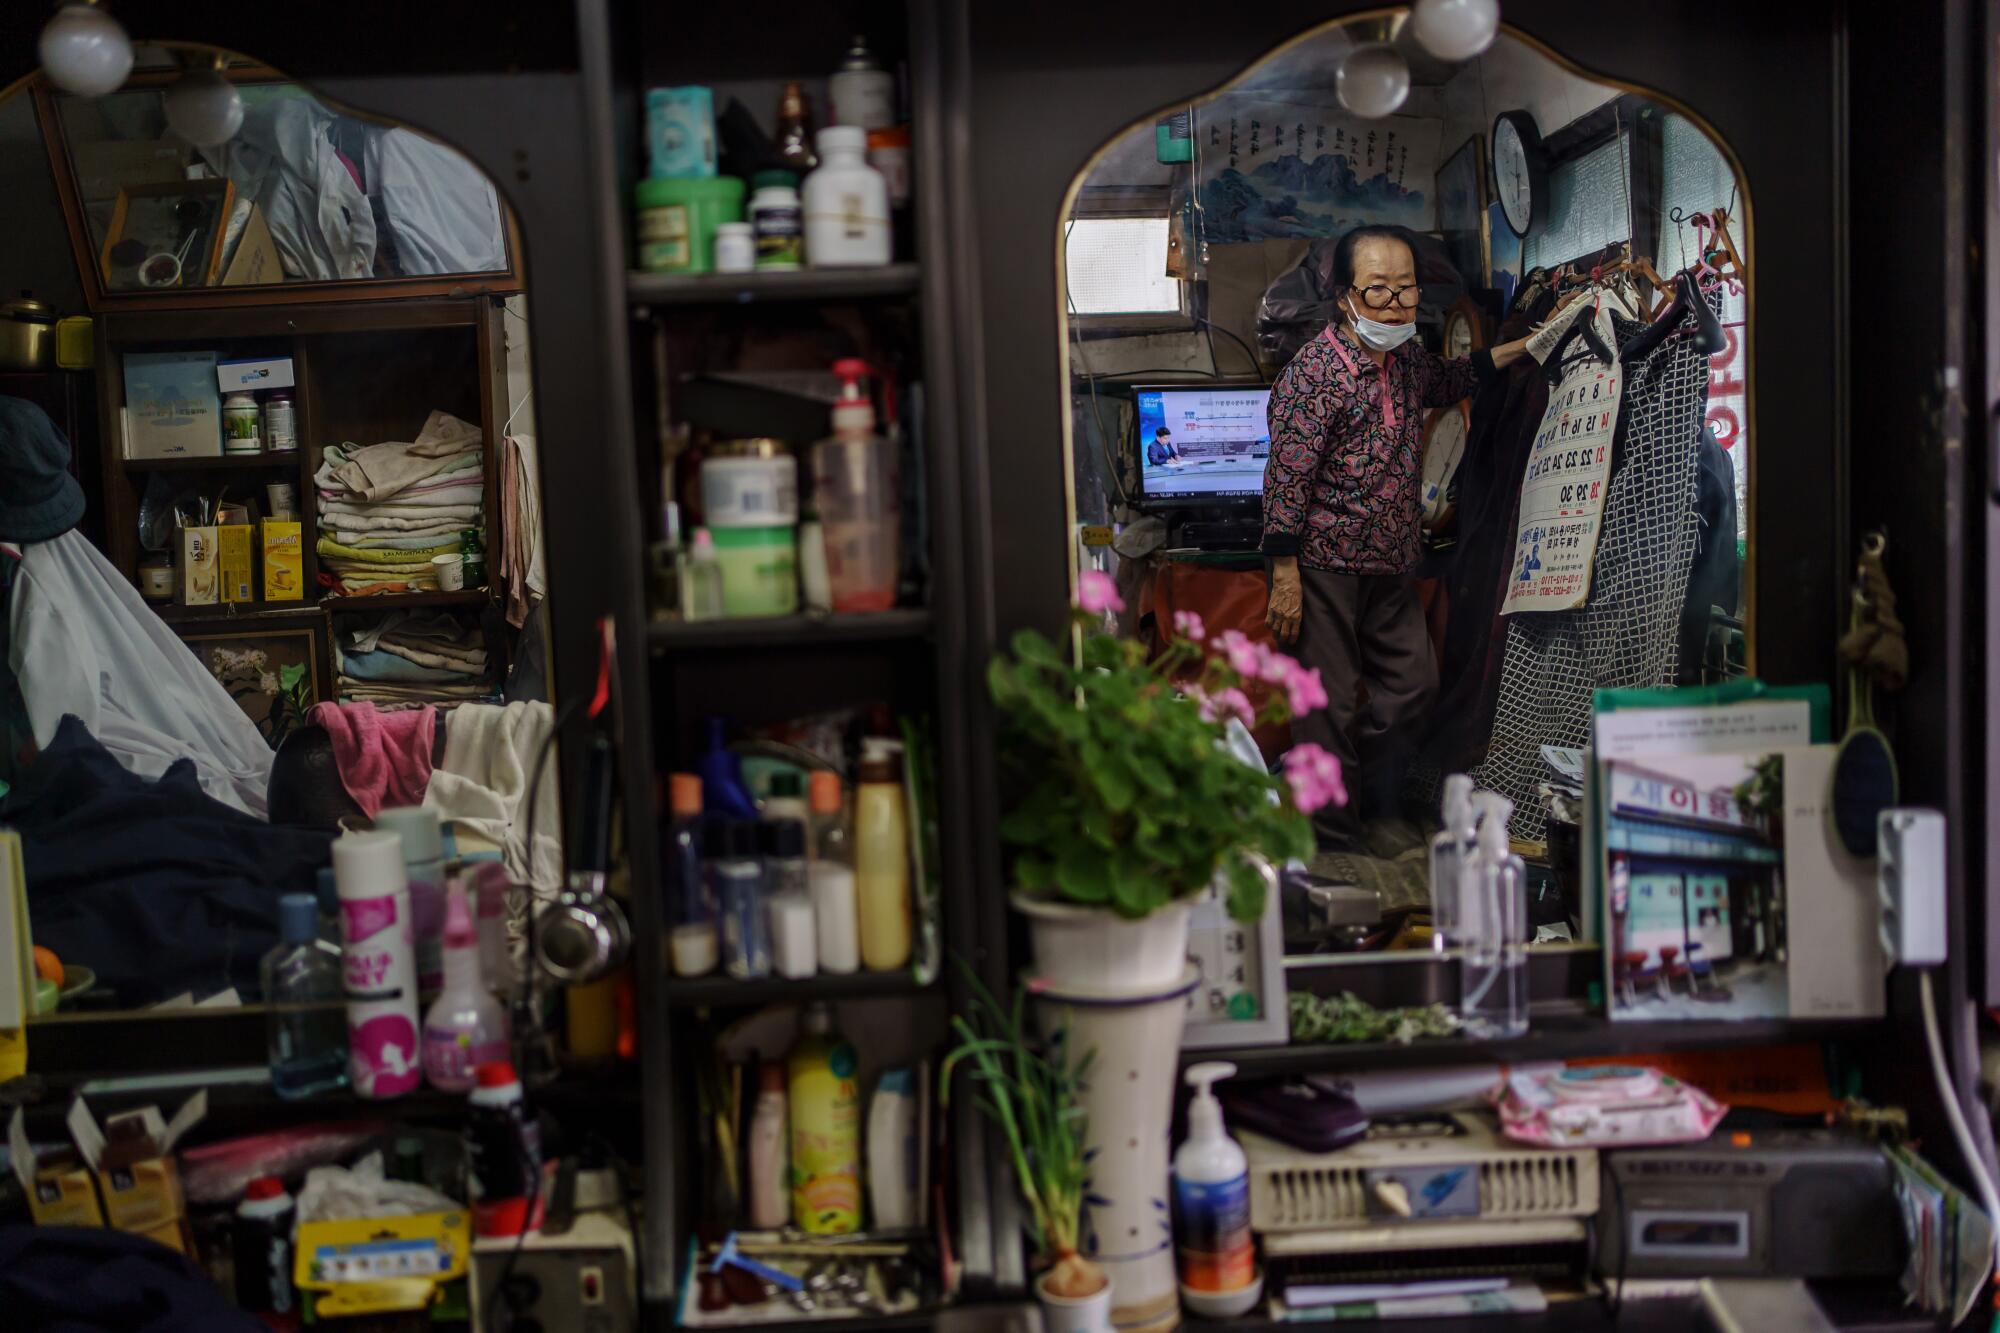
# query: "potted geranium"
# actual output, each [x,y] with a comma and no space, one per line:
[1128,804]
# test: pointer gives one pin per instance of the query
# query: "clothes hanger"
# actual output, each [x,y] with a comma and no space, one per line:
[1707,331]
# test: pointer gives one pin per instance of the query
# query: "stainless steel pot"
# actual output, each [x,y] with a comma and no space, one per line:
[27,334]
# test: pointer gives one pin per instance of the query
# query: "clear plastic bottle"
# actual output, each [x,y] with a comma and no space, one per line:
[1493,966]
[690,903]
[466,1026]
[305,1026]
[701,579]
[1448,851]
[832,872]
[788,898]
[882,858]
[855,485]
[736,877]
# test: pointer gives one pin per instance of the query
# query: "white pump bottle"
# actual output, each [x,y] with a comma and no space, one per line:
[1493,895]
[1218,1261]
[1449,848]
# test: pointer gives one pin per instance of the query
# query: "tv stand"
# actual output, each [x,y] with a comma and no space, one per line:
[1221,534]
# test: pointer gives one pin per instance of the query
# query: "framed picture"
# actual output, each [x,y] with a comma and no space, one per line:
[167,235]
[273,674]
[1461,216]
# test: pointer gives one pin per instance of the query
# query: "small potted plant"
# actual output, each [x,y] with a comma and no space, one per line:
[1129,804]
[1032,1092]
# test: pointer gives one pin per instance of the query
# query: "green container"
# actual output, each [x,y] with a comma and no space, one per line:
[675,221]
[760,570]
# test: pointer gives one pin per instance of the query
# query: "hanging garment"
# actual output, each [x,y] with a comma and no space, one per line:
[1717,576]
[384,758]
[481,786]
[1628,633]
[152,884]
[441,209]
[82,642]
[521,571]
[320,220]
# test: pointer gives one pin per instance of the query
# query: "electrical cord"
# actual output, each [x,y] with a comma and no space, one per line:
[1256,366]
[1975,1161]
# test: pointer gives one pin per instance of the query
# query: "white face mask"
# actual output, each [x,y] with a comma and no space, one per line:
[1382,337]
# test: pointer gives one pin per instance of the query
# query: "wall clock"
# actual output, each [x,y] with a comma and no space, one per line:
[1444,447]
[1520,170]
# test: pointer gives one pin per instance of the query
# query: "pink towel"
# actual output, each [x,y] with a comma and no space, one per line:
[384,758]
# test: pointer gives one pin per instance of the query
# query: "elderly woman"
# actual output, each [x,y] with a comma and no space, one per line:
[1341,515]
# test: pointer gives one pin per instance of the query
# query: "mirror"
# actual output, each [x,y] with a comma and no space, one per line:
[299,192]
[249,506]
[1470,564]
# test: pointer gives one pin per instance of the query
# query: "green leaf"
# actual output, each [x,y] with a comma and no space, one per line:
[1246,890]
[290,676]
[1032,872]
[1032,648]
[1083,871]
[1025,824]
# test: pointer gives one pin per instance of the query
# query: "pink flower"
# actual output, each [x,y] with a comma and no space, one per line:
[1096,593]
[1304,691]
[1227,704]
[1245,657]
[1314,777]
[1277,669]
[1187,624]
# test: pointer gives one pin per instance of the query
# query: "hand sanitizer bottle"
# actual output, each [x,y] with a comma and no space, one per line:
[1493,966]
[1218,1263]
[1448,852]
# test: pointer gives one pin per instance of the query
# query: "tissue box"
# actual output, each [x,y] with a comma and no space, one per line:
[60,1193]
[197,567]
[255,375]
[680,132]
[284,561]
[132,1158]
[232,544]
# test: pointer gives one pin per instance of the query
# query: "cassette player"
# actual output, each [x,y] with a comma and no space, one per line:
[1812,1203]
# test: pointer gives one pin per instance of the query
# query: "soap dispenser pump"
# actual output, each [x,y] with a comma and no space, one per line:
[1218,1263]
[1493,897]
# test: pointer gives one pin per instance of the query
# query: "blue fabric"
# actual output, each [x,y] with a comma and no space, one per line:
[381,665]
[156,885]
[86,1280]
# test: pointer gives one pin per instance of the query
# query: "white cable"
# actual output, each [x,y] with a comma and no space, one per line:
[1975,1162]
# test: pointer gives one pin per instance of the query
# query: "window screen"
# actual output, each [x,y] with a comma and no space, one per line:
[1118,266]
[1587,206]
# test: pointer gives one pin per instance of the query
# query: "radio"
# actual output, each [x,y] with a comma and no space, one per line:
[1784,1203]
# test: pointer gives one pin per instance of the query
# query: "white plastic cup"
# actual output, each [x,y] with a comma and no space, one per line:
[282,498]
[450,570]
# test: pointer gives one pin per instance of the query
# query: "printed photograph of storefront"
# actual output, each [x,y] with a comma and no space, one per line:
[1696,886]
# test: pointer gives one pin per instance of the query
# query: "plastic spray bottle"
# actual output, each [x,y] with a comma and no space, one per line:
[1448,852]
[1493,892]
[1218,1263]
[466,1026]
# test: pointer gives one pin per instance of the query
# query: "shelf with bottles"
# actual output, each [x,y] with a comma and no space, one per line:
[878,282]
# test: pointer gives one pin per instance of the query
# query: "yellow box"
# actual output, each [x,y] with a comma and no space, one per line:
[376,1265]
[138,1176]
[239,582]
[284,561]
[196,571]
[58,1195]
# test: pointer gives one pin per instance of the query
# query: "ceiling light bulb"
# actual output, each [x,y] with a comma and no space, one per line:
[85,50]
[1373,80]
[204,108]
[1455,29]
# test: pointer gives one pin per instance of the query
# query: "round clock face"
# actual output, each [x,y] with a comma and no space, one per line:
[1511,182]
[1444,446]
[1457,335]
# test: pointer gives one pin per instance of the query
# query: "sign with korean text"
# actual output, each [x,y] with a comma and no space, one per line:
[1637,792]
[1562,494]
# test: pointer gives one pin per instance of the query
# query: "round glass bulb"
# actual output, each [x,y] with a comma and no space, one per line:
[85,50]
[204,108]
[1373,80]
[1455,29]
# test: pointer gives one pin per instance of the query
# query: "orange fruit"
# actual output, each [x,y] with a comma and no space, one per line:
[49,966]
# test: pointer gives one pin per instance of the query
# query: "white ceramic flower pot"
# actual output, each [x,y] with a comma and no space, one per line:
[1099,950]
[1068,1314]
[1129,1100]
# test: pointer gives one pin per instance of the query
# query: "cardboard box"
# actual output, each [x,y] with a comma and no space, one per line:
[138,1179]
[60,1192]
[197,568]
[172,406]
[284,560]
[232,544]
[254,262]
[254,376]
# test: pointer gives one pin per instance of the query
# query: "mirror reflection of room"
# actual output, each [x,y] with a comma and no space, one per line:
[1434,375]
[273,565]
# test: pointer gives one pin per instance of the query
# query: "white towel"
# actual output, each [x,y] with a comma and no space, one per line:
[482,784]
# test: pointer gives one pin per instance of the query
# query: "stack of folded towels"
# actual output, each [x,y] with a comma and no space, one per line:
[386,509]
[405,659]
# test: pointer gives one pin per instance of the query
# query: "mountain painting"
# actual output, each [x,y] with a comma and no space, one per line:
[1273,171]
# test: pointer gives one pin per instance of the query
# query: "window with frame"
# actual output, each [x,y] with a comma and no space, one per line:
[1115,268]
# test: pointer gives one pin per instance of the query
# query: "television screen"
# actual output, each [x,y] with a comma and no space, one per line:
[1203,444]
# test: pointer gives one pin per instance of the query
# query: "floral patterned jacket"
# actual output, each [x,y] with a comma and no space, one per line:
[1342,488]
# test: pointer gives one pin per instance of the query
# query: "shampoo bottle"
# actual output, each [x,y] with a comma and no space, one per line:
[1448,851]
[1218,1262]
[1493,965]
[378,965]
[882,858]
[893,1159]
[826,1128]
[770,1152]
[466,1025]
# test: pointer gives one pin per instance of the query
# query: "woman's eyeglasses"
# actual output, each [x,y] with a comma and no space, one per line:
[1381,298]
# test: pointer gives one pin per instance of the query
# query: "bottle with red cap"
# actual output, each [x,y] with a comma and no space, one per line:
[503,1148]
[261,1240]
[855,486]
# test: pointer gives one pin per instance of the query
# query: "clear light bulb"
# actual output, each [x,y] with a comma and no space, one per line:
[1373,81]
[204,108]
[85,50]
[1455,29]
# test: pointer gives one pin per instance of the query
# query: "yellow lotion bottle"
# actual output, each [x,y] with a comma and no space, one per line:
[882,858]
[826,1128]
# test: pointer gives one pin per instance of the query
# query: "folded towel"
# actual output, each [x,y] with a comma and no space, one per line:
[375,541]
[389,666]
[370,556]
[472,662]
[456,493]
[385,519]
[382,470]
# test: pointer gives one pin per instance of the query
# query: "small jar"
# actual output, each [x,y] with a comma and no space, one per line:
[735,248]
[280,422]
[777,221]
[242,424]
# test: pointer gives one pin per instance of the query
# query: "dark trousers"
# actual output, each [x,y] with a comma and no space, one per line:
[1364,629]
